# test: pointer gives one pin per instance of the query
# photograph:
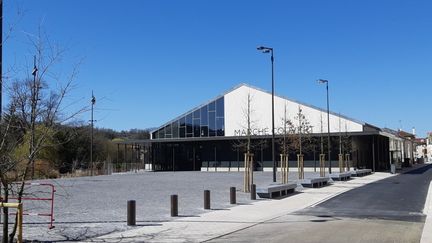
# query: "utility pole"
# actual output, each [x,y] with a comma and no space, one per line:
[34,100]
[93,101]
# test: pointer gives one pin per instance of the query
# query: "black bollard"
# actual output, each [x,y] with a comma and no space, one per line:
[174,205]
[131,212]
[253,192]
[206,199]
[232,195]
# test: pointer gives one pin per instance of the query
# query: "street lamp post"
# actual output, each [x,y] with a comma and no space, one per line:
[270,50]
[322,81]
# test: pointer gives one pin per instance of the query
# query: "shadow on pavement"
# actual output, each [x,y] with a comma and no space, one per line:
[419,170]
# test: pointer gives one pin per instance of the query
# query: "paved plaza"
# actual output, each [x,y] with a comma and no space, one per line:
[93,209]
[87,207]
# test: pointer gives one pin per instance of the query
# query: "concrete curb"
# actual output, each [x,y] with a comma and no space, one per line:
[427,228]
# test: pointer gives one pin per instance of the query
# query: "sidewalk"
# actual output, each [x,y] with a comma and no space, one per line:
[427,228]
[217,223]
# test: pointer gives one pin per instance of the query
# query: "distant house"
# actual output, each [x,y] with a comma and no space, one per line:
[424,148]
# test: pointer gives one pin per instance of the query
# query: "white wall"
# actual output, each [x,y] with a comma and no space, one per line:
[236,106]
[428,155]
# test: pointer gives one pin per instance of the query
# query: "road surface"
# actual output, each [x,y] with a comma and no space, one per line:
[389,210]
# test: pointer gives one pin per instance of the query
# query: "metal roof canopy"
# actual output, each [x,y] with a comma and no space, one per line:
[204,139]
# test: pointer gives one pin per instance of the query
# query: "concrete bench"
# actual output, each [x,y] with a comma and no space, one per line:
[314,182]
[276,190]
[344,176]
[361,172]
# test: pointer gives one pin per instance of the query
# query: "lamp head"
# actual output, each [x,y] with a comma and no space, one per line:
[264,49]
[322,81]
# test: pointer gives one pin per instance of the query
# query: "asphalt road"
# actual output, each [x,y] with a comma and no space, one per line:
[389,210]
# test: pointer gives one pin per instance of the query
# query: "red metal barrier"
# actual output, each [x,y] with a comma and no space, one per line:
[51,198]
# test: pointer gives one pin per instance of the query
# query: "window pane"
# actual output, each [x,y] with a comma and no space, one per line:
[162,133]
[189,123]
[155,135]
[183,121]
[196,127]
[204,116]
[204,131]
[182,132]
[220,107]
[196,114]
[175,129]
[220,128]
[168,131]
[212,106]
[212,123]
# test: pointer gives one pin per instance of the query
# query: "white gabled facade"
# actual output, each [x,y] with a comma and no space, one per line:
[202,138]
[261,116]
[225,116]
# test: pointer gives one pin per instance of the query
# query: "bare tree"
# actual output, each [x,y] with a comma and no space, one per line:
[347,148]
[302,141]
[322,155]
[341,155]
[32,119]
[288,135]
[248,145]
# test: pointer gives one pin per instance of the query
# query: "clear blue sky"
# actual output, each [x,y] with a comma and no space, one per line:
[149,61]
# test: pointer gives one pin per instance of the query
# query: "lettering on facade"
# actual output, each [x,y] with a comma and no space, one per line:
[258,131]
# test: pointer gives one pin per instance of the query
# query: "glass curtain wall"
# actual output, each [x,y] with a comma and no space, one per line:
[206,121]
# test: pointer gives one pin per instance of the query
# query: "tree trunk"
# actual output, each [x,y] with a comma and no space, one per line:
[5,215]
